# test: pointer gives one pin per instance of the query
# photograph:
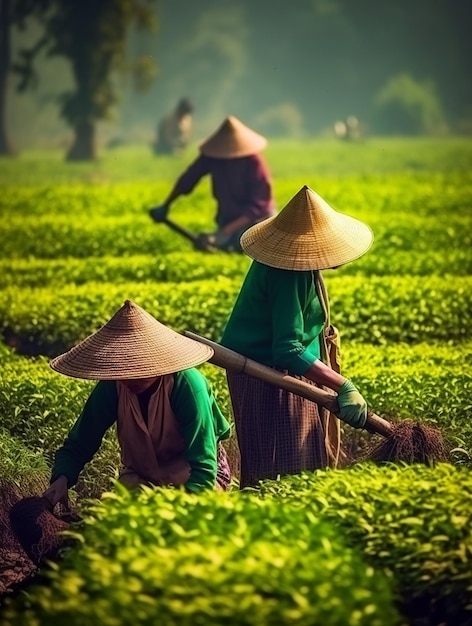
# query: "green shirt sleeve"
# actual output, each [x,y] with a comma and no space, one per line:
[85,437]
[202,425]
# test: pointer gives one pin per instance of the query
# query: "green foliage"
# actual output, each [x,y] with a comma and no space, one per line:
[428,383]
[408,168]
[408,107]
[406,309]
[215,556]
[173,558]
[174,267]
[82,221]
[38,408]
[413,523]
[378,310]
[19,465]
[73,252]
[431,384]
[92,36]
[178,267]
[199,306]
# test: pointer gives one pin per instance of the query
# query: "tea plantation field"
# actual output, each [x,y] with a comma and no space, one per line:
[360,545]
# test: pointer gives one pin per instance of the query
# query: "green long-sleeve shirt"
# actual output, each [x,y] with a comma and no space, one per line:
[277,319]
[201,423]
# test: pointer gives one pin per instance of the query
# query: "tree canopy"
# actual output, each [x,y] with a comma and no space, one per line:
[92,36]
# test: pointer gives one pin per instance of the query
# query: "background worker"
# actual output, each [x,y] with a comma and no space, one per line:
[169,425]
[240,182]
[281,319]
[175,130]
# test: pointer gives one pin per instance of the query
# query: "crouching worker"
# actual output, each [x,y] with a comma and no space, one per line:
[169,425]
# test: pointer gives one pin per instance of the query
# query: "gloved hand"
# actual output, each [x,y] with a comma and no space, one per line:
[352,406]
[203,244]
[57,492]
[159,213]
[218,239]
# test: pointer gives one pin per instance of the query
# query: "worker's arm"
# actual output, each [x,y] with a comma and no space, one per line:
[202,426]
[85,437]
[297,325]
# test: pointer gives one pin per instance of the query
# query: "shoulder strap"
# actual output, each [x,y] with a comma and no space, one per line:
[330,355]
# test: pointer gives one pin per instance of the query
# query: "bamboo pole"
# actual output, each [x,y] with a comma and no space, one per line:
[235,362]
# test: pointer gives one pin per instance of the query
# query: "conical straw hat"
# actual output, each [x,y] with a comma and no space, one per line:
[307,234]
[233,139]
[132,344]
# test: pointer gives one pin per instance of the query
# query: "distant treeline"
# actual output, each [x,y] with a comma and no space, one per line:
[287,68]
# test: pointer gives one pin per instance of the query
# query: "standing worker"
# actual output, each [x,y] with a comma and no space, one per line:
[281,319]
[169,425]
[240,182]
[175,130]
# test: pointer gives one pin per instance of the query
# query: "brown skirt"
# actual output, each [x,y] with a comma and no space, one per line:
[278,432]
[223,472]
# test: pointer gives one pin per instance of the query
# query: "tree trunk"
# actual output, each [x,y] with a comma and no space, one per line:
[6,148]
[84,147]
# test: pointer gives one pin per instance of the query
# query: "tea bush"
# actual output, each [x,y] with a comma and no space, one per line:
[19,466]
[431,384]
[378,310]
[53,236]
[177,559]
[422,158]
[83,220]
[180,267]
[411,522]
[428,383]
[77,241]
[39,406]
[173,267]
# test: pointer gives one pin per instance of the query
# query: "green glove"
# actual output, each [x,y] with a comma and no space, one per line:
[352,406]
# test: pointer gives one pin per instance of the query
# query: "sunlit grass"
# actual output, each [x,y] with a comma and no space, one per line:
[302,161]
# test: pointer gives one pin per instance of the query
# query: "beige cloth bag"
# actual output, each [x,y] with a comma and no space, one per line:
[331,356]
[151,452]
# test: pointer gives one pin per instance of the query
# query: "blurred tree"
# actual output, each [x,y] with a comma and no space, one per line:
[5,56]
[281,120]
[13,14]
[327,58]
[92,36]
[408,107]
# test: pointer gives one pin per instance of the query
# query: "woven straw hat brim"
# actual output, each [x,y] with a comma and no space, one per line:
[132,345]
[307,238]
[233,139]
